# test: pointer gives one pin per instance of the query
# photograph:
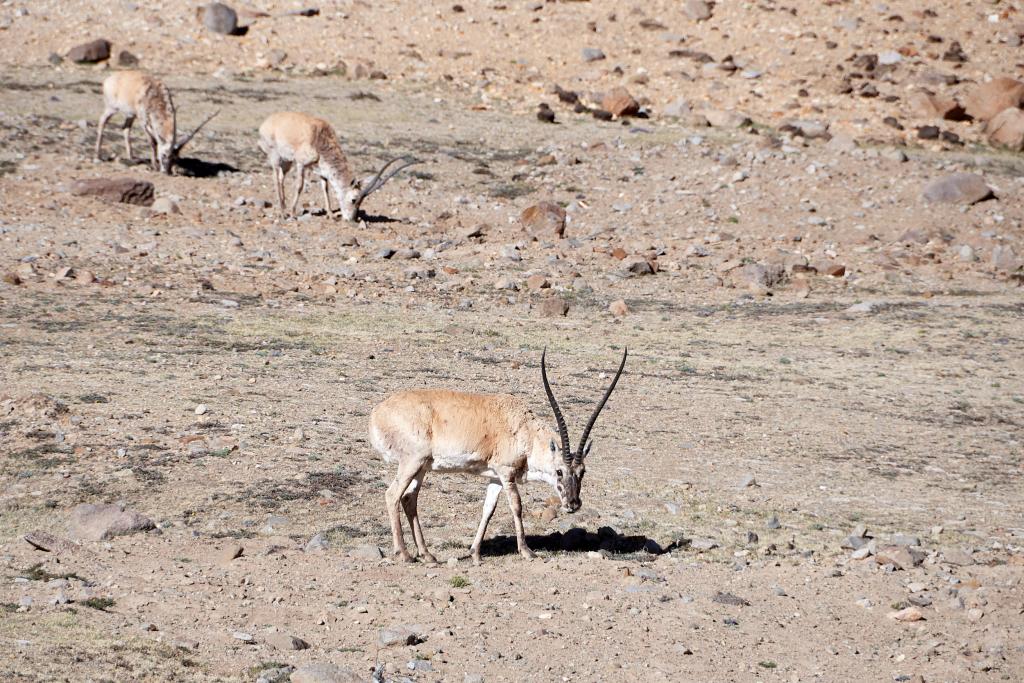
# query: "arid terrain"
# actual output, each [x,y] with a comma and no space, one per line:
[810,471]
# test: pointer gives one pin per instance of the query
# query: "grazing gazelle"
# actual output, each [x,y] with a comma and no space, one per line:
[137,94]
[495,435]
[289,138]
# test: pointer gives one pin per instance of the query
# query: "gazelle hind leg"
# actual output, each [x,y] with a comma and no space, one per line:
[107,113]
[410,501]
[516,505]
[300,183]
[407,471]
[490,501]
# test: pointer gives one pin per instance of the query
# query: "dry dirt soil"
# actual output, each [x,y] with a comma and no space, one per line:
[815,352]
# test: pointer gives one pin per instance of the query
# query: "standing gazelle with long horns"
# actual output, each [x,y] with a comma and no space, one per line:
[293,138]
[495,435]
[137,94]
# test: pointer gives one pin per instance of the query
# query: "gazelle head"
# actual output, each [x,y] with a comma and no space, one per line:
[168,150]
[361,188]
[571,466]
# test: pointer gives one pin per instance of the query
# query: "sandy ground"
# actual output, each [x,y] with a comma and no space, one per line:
[757,426]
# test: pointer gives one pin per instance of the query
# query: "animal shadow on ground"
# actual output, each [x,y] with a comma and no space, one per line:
[370,218]
[577,540]
[198,168]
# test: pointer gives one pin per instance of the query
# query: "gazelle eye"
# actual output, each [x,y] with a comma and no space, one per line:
[558,473]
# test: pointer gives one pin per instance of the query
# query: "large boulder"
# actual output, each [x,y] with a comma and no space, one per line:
[124,190]
[986,100]
[102,522]
[91,52]
[1006,129]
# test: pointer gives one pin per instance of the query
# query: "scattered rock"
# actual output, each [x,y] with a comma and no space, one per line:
[220,18]
[927,106]
[324,673]
[900,556]
[398,636]
[730,599]
[908,614]
[1004,259]
[678,109]
[703,544]
[720,118]
[637,265]
[748,481]
[318,542]
[958,557]
[244,637]
[366,552]
[554,307]
[127,60]
[1006,129]
[958,188]
[697,10]
[229,552]
[165,205]
[544,219]
[987,100]
[618,308]
[620,103]
[91,522]
[592,54]
[91,52]
[124,190]
[282,641]
[545,114]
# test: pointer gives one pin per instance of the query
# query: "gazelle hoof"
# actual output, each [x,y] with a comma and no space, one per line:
[429,559]
[528,554]
[404,556]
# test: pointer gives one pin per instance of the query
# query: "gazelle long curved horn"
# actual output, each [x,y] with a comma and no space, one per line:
[563,431]
[600,406]
[188,138]
[379,179]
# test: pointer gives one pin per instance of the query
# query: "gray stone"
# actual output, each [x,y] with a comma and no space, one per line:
[904,539]
[637,265]
[220,18]
[720,118]
[697,10]
[318,542]
[958,188]
[853,542]
[703,544]
[957,556]
[102,522]
[810,128]
[900,556]
[283,641]
[398,636]
[592,54]
[324,673]
[747,481]
[773,523]
[678,109]
[366,552]
[1004,258]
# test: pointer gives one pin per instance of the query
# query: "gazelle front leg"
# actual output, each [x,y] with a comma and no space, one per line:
[107,113]
[490,501]
[327,196]
[516,504]
[407,471]
[153,153]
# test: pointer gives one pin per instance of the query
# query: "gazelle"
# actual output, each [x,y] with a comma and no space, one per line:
[495,435]
[137,94]
[289,138]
